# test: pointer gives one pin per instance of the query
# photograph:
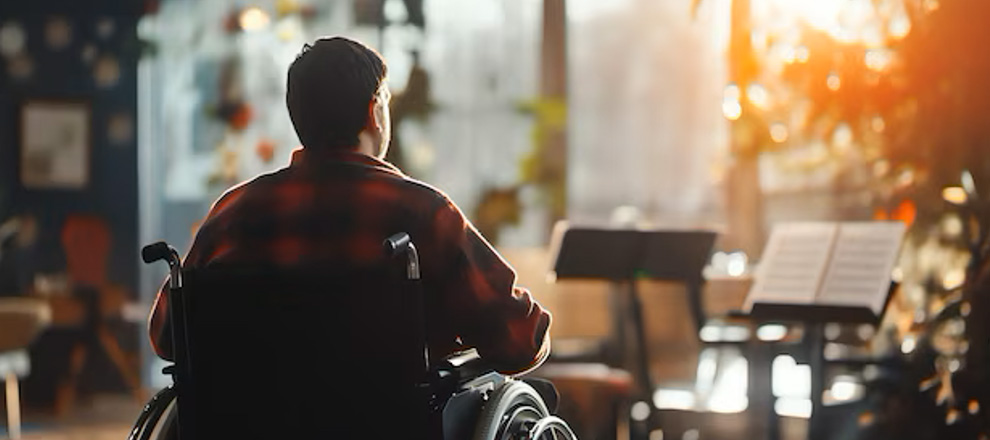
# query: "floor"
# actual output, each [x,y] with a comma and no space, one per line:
[103,417]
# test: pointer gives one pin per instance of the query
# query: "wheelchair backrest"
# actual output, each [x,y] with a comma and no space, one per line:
[298,353]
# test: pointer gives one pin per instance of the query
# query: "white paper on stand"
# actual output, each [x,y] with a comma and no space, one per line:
[826,263]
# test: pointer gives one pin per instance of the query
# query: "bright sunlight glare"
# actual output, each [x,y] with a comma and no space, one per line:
[844,20]
[820,14]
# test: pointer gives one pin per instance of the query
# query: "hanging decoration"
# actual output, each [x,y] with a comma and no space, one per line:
[231,107]
[120,129]
[105,28]
[88,54]
[21,66]
[253,19]
[106,72]
[58,33]
[250,19]
[265,150]
[13,39]
[285,8]
[238,116]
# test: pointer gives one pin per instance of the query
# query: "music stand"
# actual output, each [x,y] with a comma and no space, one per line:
[621,256]
[843,257]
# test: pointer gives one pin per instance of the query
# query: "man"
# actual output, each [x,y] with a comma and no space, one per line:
[338,199]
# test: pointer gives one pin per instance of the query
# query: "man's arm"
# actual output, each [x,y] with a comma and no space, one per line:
[489,312]
[159,328]
[158,325]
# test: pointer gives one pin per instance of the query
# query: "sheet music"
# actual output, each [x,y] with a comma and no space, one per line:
[793,264]
[862,260]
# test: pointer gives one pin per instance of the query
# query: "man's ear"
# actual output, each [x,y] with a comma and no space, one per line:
[374,116]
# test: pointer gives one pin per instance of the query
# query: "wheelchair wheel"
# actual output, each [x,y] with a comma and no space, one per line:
[167,428]
[516,411]
[552,427]
[147,426]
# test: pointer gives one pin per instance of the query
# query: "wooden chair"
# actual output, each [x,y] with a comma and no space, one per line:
[86,241]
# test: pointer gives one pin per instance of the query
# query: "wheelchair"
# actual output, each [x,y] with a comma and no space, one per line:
[211,397]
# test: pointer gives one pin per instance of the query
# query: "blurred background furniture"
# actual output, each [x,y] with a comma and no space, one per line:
[21,319]
[91,303]
[594,395]
[617,368]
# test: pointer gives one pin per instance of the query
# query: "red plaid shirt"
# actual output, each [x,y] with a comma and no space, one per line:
[328,206]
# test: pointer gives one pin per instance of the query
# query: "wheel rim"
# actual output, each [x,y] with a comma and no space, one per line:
[517,423]
[553,426]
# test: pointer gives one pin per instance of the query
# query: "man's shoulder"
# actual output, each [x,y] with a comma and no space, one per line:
[411,189]
[236,204]
[256,183]
[426,190]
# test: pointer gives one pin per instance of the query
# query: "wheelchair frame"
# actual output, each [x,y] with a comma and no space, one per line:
[471,400]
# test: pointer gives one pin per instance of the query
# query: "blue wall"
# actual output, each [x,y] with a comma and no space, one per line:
[112,190]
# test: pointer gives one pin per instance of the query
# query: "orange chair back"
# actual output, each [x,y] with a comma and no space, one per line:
[86,241]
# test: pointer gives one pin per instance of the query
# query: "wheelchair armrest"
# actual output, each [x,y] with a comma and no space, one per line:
[465,367]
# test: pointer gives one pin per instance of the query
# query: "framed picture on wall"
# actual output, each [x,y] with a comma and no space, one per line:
[55,144]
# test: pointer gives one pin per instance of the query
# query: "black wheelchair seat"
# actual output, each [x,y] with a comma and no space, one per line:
[281,349]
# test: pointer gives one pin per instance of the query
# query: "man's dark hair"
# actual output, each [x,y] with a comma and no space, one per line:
[330,85]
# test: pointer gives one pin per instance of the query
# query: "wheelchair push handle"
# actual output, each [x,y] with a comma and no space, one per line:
[401,244]
[154,252]
[162,251]
[397,244]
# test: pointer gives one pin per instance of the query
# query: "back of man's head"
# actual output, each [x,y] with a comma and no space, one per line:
[330,86]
